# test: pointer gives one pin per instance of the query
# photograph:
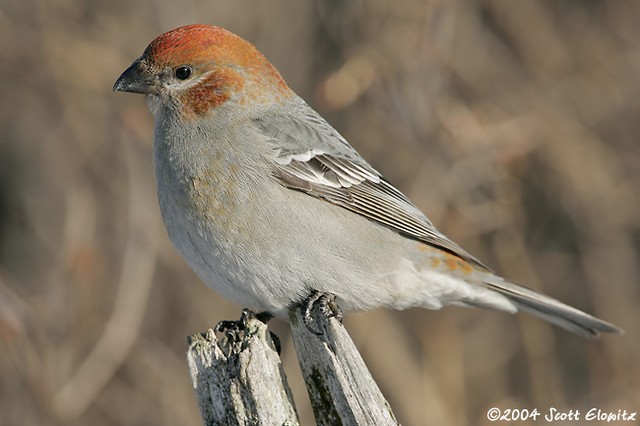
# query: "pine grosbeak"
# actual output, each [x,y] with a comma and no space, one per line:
[267,202]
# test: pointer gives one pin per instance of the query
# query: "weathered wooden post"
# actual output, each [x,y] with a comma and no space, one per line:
[239,380]
[339,383]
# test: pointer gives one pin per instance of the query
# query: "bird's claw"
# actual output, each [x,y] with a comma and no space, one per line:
[326,305]
[233,330]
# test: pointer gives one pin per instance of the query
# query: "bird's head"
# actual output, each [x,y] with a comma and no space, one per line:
[196,69]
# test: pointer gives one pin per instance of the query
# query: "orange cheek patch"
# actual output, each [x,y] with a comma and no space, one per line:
[211,92]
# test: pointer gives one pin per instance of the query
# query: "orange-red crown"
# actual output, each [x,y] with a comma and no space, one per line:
[202,44]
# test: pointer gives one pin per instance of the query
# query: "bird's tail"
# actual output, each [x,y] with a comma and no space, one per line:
[552,310]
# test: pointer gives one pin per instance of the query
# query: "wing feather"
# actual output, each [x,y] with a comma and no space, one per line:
[312,157]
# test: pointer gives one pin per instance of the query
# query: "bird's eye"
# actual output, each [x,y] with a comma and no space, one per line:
[183,72]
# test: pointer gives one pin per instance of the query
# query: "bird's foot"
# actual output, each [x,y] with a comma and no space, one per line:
[326,305]
[265,316]
[234,331]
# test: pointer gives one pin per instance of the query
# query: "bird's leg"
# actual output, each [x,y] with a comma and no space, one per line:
[265,316]
[232,330]
[327,306]
[240,324]
[225,325]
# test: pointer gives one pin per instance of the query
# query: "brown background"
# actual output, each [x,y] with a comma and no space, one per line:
[513,124]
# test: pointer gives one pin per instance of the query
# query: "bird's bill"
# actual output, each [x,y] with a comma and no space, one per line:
[134,80]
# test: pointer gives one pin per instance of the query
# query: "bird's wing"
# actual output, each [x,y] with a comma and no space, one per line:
[312,157]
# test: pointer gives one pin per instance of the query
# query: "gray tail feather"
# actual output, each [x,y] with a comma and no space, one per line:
[554,311]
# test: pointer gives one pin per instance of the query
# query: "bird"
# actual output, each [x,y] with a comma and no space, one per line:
[271,206]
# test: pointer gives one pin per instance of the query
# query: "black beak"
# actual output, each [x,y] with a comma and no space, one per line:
[135,79]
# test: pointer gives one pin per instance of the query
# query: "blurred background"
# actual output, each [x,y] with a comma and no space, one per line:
[513,125]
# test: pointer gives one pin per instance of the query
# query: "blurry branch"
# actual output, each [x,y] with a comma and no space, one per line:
[239,379]
[121,331]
